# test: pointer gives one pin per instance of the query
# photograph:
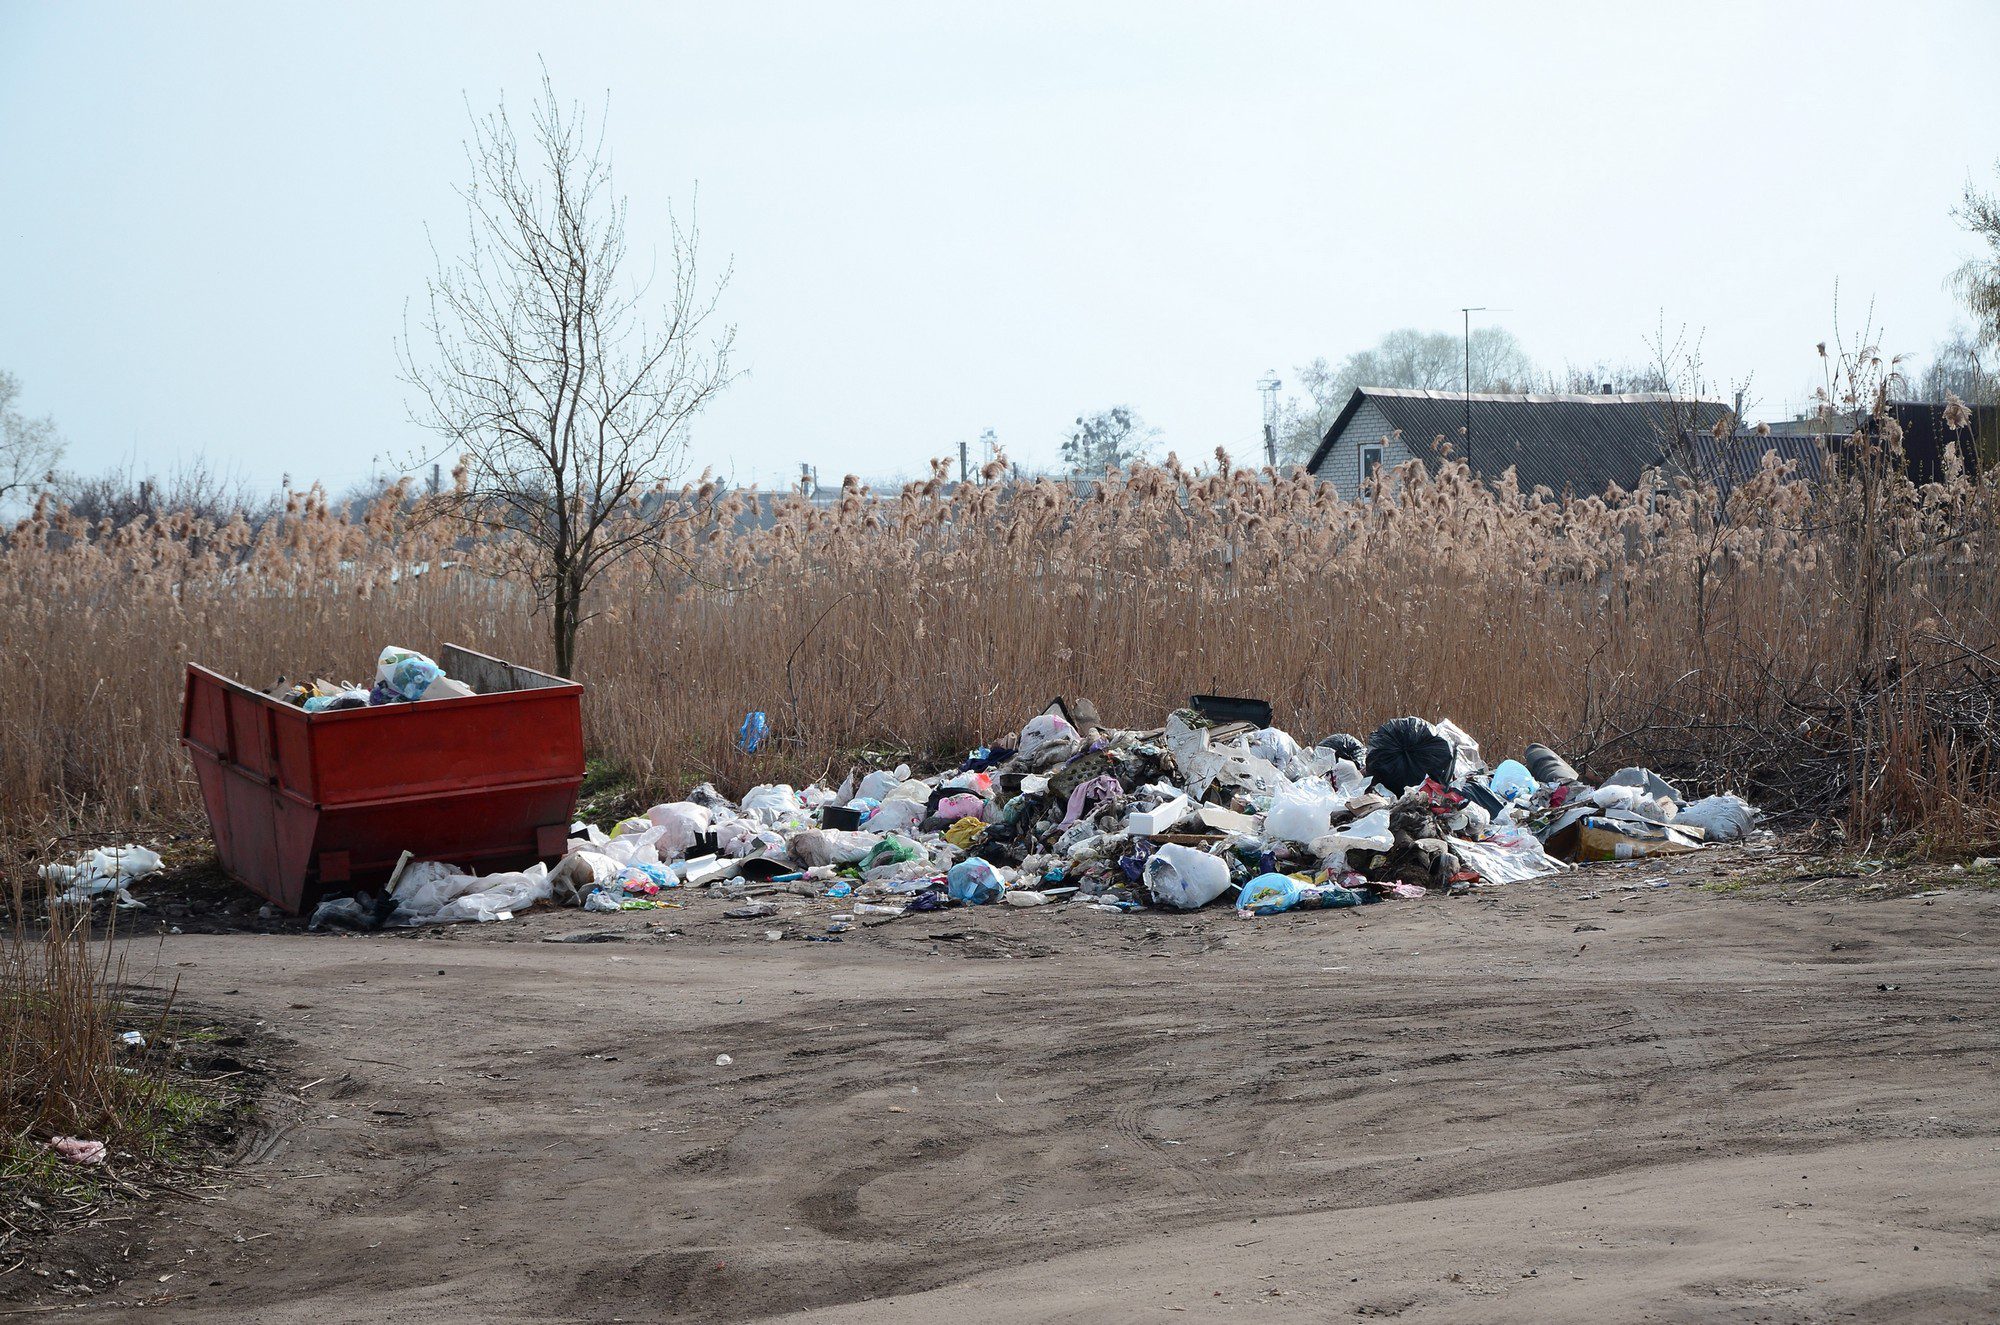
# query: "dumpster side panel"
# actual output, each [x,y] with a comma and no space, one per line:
[448,745]
[251,747]
[481,830]
[253,820]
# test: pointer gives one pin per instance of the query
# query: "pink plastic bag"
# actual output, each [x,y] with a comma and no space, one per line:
[76,1151]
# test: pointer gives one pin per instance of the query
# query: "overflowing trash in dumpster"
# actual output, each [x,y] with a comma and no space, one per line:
[1205,810]
[402,676]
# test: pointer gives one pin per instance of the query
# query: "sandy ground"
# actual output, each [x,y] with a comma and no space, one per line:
[1585,1101]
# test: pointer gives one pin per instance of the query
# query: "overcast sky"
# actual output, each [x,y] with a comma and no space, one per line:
[945,219]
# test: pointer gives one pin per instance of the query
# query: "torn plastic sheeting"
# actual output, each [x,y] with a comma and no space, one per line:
[1511,861]
[1648,782]
[433,893]
[1301,812]
[1203,765]
[1466,759]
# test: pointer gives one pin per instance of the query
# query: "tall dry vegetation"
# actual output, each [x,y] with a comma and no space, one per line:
[1827,646]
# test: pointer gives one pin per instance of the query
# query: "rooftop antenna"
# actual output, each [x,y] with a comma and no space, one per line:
[1479,308]
[1268,385]
[1468,312]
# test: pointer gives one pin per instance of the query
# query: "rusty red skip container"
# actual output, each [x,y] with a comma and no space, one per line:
[305,803]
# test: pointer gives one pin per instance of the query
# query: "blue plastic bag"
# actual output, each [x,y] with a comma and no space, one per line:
[975,882]
[1512,780]
[1269,894]
[751,734]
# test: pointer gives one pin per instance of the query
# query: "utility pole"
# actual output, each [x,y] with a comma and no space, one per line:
[1269,388]
[1468,383]
[963,469]
[437,477]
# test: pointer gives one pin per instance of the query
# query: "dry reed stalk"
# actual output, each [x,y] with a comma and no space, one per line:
[1678,629]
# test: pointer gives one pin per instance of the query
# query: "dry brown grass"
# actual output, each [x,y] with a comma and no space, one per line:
[61,1001]
[1679,628]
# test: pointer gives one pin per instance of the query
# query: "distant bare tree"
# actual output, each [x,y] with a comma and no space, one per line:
[1114,438]
[29,448]
[1978,278]
[567,393]
[123,496]
[1434,360]
[1622,378]
[1959,368]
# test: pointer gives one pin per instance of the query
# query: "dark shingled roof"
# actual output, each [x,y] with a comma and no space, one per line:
[1582,443]
[1728,461]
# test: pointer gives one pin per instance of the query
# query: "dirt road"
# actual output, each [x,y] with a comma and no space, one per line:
[1536,1105]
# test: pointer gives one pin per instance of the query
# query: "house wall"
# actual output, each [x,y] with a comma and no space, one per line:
[1342,466]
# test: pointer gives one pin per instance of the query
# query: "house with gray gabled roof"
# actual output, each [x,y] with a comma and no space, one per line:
[1579,443]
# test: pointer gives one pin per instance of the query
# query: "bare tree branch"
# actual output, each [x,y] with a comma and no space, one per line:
[565,391]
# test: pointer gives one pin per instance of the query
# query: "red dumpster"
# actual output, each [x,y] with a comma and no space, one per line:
[302,802]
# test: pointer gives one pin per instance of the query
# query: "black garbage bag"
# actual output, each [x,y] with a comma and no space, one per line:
[1405,751]
[1548,766]
[1482,796]
[1348,747]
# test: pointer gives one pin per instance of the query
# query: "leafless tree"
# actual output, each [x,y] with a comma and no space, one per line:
[29,448]
[1978,278]
[1959,367]
[566,386]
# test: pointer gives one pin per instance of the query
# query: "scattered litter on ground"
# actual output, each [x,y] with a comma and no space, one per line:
[105,871]
[1070,812]
[77,1151]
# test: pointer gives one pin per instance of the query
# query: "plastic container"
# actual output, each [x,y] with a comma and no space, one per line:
[299,802]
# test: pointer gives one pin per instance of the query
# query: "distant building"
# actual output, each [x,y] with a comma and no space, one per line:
[1577,443]
[1926,435]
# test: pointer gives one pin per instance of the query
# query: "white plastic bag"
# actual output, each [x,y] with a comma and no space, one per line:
[1723,818]
[1184,878]
[1368,833]
[830,846]
[499,896]
[680,822]
[895,816]
[772,802]
[1635,800]
[1300,811]
[877,785]
[1046,732]
[1274,746]
[426,885]
[579,872]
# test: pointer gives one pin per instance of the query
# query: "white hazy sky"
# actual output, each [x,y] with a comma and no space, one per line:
[945,217]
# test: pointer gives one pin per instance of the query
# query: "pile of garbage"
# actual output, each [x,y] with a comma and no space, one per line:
[1216,804]
[402,676]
